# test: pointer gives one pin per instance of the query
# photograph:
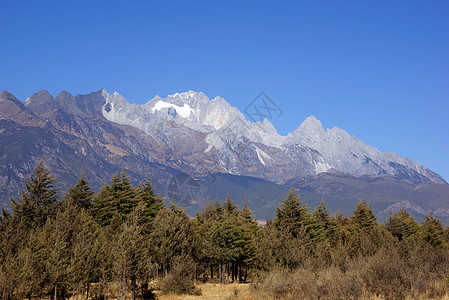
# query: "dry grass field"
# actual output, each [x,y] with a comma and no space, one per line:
[211,291]
[217,291]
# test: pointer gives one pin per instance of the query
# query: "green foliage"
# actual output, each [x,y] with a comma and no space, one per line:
[38,200]
[292,215]
[224,241]
[229,207]
[171,236]
[152,202]
[432,231]
[120,240]
[364,217]
[81,194]
[402,225]
[322,226]
[117,198]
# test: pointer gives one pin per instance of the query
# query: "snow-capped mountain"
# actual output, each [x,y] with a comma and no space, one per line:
[238,146]
[191,145]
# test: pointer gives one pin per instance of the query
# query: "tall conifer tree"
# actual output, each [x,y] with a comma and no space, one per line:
[38,199]
[292,215]
[81,194]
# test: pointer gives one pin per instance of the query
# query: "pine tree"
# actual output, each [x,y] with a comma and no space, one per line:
[323,228]
[129,251]
[432,231]
[250,230]
[229,207]
[152,201]
[224,243]
[401,225]
[38,200]
[292,215]
[117,198]
[81,194]
[85,253]
[56,246]
[364,217]
[171,236]
[211,211]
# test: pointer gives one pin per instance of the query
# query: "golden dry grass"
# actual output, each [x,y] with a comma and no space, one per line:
[238,291]
[211,291]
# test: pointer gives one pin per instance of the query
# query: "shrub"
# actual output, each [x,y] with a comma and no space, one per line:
[180,279]
[330,283]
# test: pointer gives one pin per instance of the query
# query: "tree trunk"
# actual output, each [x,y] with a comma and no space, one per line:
[124,289]
[235,271]
[87,294]
[240,273]
[133,289]
[56,291]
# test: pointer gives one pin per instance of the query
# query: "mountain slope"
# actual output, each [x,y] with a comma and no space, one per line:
[101,134]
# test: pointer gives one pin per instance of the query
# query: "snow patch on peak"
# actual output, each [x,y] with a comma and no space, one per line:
[184,111]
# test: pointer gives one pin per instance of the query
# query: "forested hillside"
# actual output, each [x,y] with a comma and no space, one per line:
[124,242]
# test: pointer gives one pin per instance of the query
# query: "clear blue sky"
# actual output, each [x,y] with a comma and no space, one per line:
[378,69]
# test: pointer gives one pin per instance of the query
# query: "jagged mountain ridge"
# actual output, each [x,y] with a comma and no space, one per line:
[187,133]
[309,145]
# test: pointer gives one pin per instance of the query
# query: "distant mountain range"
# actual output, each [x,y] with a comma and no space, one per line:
[195,149]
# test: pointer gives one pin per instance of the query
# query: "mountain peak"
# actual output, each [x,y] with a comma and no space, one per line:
[63,94]
[104,93]
[5,96]
[42,101]
[312,120]
[311,125]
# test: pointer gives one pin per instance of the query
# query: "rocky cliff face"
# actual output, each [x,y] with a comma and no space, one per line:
[256,149]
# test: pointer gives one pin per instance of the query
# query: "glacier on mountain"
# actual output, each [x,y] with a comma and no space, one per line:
[184,111]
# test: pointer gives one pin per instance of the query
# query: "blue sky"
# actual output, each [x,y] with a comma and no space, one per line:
[378,69]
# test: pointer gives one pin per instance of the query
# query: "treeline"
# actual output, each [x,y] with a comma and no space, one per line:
[123,241]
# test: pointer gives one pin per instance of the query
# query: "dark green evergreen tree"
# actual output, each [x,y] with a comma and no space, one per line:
[171,236]
[224,243]
[130,251]
[432,231]
[364,217]
[250,229]
[292,215]
[401,225]
[117,198]
[152,201]
[323,227]
[38,199]
[229,207]
[81,194]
